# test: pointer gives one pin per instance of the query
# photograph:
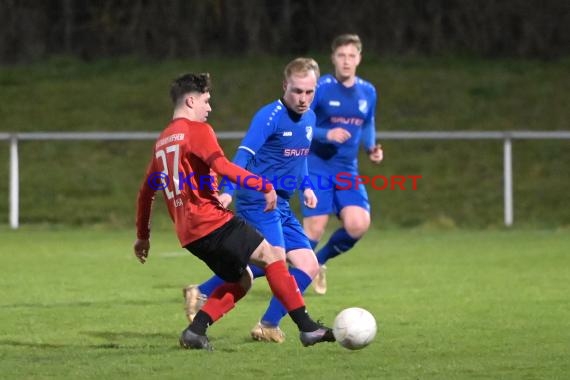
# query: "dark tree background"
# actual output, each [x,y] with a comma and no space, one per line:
[34,29]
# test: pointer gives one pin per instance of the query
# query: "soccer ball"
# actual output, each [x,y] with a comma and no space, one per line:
[354,328]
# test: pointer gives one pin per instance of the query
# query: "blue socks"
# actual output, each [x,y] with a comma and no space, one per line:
[257,271]
[208,286]
[276,311]
[339,242]
[313,243]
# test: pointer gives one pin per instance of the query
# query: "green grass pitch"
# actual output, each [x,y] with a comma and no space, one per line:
[458,304]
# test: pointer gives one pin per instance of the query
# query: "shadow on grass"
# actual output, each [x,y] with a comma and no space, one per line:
[16,343]
[51,346]
[116,340]
[114,336]
[89,304]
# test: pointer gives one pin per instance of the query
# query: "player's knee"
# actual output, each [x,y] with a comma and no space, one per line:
[312,270]
[305,260]
[316,233]
[267,254]
[275,254]
[357,228]
[315,230]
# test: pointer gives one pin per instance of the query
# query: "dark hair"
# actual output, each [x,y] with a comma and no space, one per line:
[346,39]
[188,83]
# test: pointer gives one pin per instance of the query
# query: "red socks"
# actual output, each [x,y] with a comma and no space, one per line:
[284,286]
[223,299]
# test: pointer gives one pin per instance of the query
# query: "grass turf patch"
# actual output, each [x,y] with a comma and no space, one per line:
[449,304]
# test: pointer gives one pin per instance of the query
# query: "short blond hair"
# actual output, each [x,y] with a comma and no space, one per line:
[301,65]
[347,39]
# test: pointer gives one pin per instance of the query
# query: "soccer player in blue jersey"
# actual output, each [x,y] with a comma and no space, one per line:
[276,147]
[345,107]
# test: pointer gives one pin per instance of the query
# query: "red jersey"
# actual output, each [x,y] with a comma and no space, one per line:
[186,158]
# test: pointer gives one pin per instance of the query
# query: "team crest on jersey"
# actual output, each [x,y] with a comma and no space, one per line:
[363,105]
[309,131]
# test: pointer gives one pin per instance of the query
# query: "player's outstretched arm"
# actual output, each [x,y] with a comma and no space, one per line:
[210,151]
[144,207]
[244,178]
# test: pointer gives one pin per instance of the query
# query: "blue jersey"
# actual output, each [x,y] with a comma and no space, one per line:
[275,147]
[351,108]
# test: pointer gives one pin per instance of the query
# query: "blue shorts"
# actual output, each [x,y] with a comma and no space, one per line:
[334,191]
[280,227]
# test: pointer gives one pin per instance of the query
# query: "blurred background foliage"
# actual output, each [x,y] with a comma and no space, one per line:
[92,29]
[79,65]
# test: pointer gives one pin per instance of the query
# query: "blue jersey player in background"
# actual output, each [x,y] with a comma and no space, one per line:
[345,107]
[276,147]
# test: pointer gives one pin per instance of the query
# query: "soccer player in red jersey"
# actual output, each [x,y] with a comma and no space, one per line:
[185,159]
